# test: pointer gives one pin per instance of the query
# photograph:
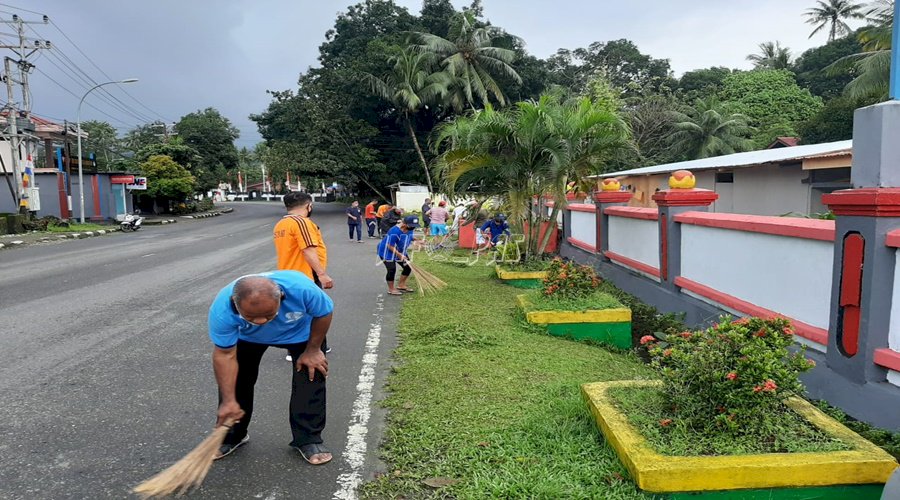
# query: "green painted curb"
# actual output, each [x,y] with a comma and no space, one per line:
[616,334]
[530,284]
[856,492]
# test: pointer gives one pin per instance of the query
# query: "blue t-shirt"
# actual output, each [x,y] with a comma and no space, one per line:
[396,237]
[496,229]
[302,302]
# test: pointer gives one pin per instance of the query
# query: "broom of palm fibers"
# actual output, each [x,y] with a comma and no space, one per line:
[188,472]
[428,283]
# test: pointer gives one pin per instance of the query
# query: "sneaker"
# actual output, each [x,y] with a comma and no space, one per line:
[360,241]
[228,448]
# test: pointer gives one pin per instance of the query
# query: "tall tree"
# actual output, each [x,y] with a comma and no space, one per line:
[102,140]
[143,135]
[471,58]
[871,65]
[771,55]
[832,14]
[622,62]
[772,100]
[410,86]
[213,136]
[708,129]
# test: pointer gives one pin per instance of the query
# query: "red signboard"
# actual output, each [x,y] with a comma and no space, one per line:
[121,179]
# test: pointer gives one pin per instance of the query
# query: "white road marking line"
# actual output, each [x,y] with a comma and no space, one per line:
[148,255]
[355,451]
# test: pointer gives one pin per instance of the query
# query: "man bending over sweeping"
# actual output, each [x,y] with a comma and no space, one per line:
[283,309]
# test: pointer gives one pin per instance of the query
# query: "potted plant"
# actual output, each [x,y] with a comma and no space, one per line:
[571,304]
[726,415]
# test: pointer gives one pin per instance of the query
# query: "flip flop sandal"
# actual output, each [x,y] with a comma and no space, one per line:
[395,293]
[406,290]
[307,451]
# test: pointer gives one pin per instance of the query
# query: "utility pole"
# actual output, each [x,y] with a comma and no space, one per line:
[23,52]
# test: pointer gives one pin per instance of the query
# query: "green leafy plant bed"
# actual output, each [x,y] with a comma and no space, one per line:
[649,414]
[845,461]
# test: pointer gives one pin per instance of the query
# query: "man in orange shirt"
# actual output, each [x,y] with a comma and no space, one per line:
[299,243]
[371,221]
[379,214]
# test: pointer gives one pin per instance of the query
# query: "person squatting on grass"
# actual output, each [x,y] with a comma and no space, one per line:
[354,221]
[497,227]
[371,220]
[283,309]
[393,250]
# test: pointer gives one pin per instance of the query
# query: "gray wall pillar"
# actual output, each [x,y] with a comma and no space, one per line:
[672,202]
[602,200]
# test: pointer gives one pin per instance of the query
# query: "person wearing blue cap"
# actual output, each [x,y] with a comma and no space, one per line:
[497,227]
[393,250]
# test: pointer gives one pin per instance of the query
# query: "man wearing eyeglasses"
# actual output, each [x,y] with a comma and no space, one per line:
[283,309]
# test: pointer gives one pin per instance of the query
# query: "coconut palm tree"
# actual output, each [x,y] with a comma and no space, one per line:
[707,130]
[831,14]
[528,151]
[771,56]
[409,87]
[873,64]
[472,61]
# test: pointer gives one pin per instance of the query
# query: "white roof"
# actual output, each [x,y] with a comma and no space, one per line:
[747,159]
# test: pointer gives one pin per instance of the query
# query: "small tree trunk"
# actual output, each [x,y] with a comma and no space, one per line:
[412,134]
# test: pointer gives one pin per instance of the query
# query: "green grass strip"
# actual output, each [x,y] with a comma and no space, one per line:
[492,403]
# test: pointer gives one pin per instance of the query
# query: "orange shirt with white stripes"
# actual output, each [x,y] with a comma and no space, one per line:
[292,235]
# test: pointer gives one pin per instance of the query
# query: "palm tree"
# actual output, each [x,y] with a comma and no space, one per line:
[833,13]
[873,64]
[707,130]
[410,86]
[530,150]
[771,56]
[472,61]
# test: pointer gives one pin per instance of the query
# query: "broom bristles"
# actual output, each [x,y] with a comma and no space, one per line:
[428,283]
[188,472]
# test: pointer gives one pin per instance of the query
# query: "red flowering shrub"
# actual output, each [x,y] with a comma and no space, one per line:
[567,280]
[732,376]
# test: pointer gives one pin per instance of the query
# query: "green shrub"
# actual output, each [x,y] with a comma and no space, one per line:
[732,377]
[568,280]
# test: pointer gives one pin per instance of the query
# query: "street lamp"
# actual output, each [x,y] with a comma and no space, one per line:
[78,117]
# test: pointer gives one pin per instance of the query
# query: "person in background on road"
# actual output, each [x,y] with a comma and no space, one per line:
[379,214]
[283,309]
[497,227]
[354,221]
[371,220]
[439,216]
[391,218]
[392,250]
[425,219]
[298,240]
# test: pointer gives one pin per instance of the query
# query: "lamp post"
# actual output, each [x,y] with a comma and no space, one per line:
[78,118]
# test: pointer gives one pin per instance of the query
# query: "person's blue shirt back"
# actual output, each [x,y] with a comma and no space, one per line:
[496,229]
[396,237]
[302,302]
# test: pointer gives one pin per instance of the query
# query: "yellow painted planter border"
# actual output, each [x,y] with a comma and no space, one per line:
[619,315]
[519,275]
[864,464]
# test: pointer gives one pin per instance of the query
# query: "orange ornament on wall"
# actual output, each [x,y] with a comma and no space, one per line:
[682,179]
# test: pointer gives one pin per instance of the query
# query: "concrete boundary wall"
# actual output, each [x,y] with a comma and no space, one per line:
[744,266]
[584,225]
[634,240]
[787,275]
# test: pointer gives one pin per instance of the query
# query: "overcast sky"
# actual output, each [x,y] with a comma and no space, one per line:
[193,54]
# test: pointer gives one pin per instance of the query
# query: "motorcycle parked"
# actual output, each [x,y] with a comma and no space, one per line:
[132,222]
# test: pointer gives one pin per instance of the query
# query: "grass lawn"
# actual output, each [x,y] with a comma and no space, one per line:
[483,401]
[76,228]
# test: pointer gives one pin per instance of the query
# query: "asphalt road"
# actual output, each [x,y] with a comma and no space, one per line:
[105,369]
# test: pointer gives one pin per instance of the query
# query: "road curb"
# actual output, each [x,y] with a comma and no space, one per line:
[205,215]
[64,236]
